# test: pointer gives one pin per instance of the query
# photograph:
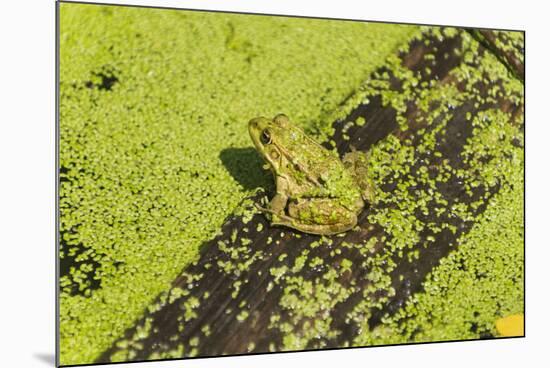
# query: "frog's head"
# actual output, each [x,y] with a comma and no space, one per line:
[269,137]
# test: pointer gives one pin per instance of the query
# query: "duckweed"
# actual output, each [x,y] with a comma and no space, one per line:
[490,162]
[475,285]
[148,176]
[482,279]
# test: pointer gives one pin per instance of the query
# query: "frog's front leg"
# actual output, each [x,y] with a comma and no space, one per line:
[278,203]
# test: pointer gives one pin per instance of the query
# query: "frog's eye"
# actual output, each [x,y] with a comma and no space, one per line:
[265,137]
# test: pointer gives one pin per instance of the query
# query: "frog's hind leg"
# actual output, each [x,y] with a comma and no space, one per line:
[327,229]
[280,219]
[324,229]
[356,162]
[320,216]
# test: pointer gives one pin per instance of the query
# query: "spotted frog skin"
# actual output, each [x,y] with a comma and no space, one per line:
[316,192]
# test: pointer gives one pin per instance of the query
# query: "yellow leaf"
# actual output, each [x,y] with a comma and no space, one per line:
[511,325]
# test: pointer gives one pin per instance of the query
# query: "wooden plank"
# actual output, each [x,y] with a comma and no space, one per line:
[509,50]
[258,288]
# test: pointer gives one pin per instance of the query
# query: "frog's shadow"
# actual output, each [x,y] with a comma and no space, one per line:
[245,166]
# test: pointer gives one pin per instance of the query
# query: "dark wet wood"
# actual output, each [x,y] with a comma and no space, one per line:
[220,291]
[510,57]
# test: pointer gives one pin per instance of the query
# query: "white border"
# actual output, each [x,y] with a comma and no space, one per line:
[27,182]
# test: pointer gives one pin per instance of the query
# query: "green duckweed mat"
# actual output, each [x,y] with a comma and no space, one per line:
[437,256]
[153,109]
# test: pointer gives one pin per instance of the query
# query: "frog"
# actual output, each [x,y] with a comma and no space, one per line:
[316,192]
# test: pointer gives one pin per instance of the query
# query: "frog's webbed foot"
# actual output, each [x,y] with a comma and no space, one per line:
[269,210]
[277,217]
[278,202]
[263,209]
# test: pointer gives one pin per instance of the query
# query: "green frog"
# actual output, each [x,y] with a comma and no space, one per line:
[316,192]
